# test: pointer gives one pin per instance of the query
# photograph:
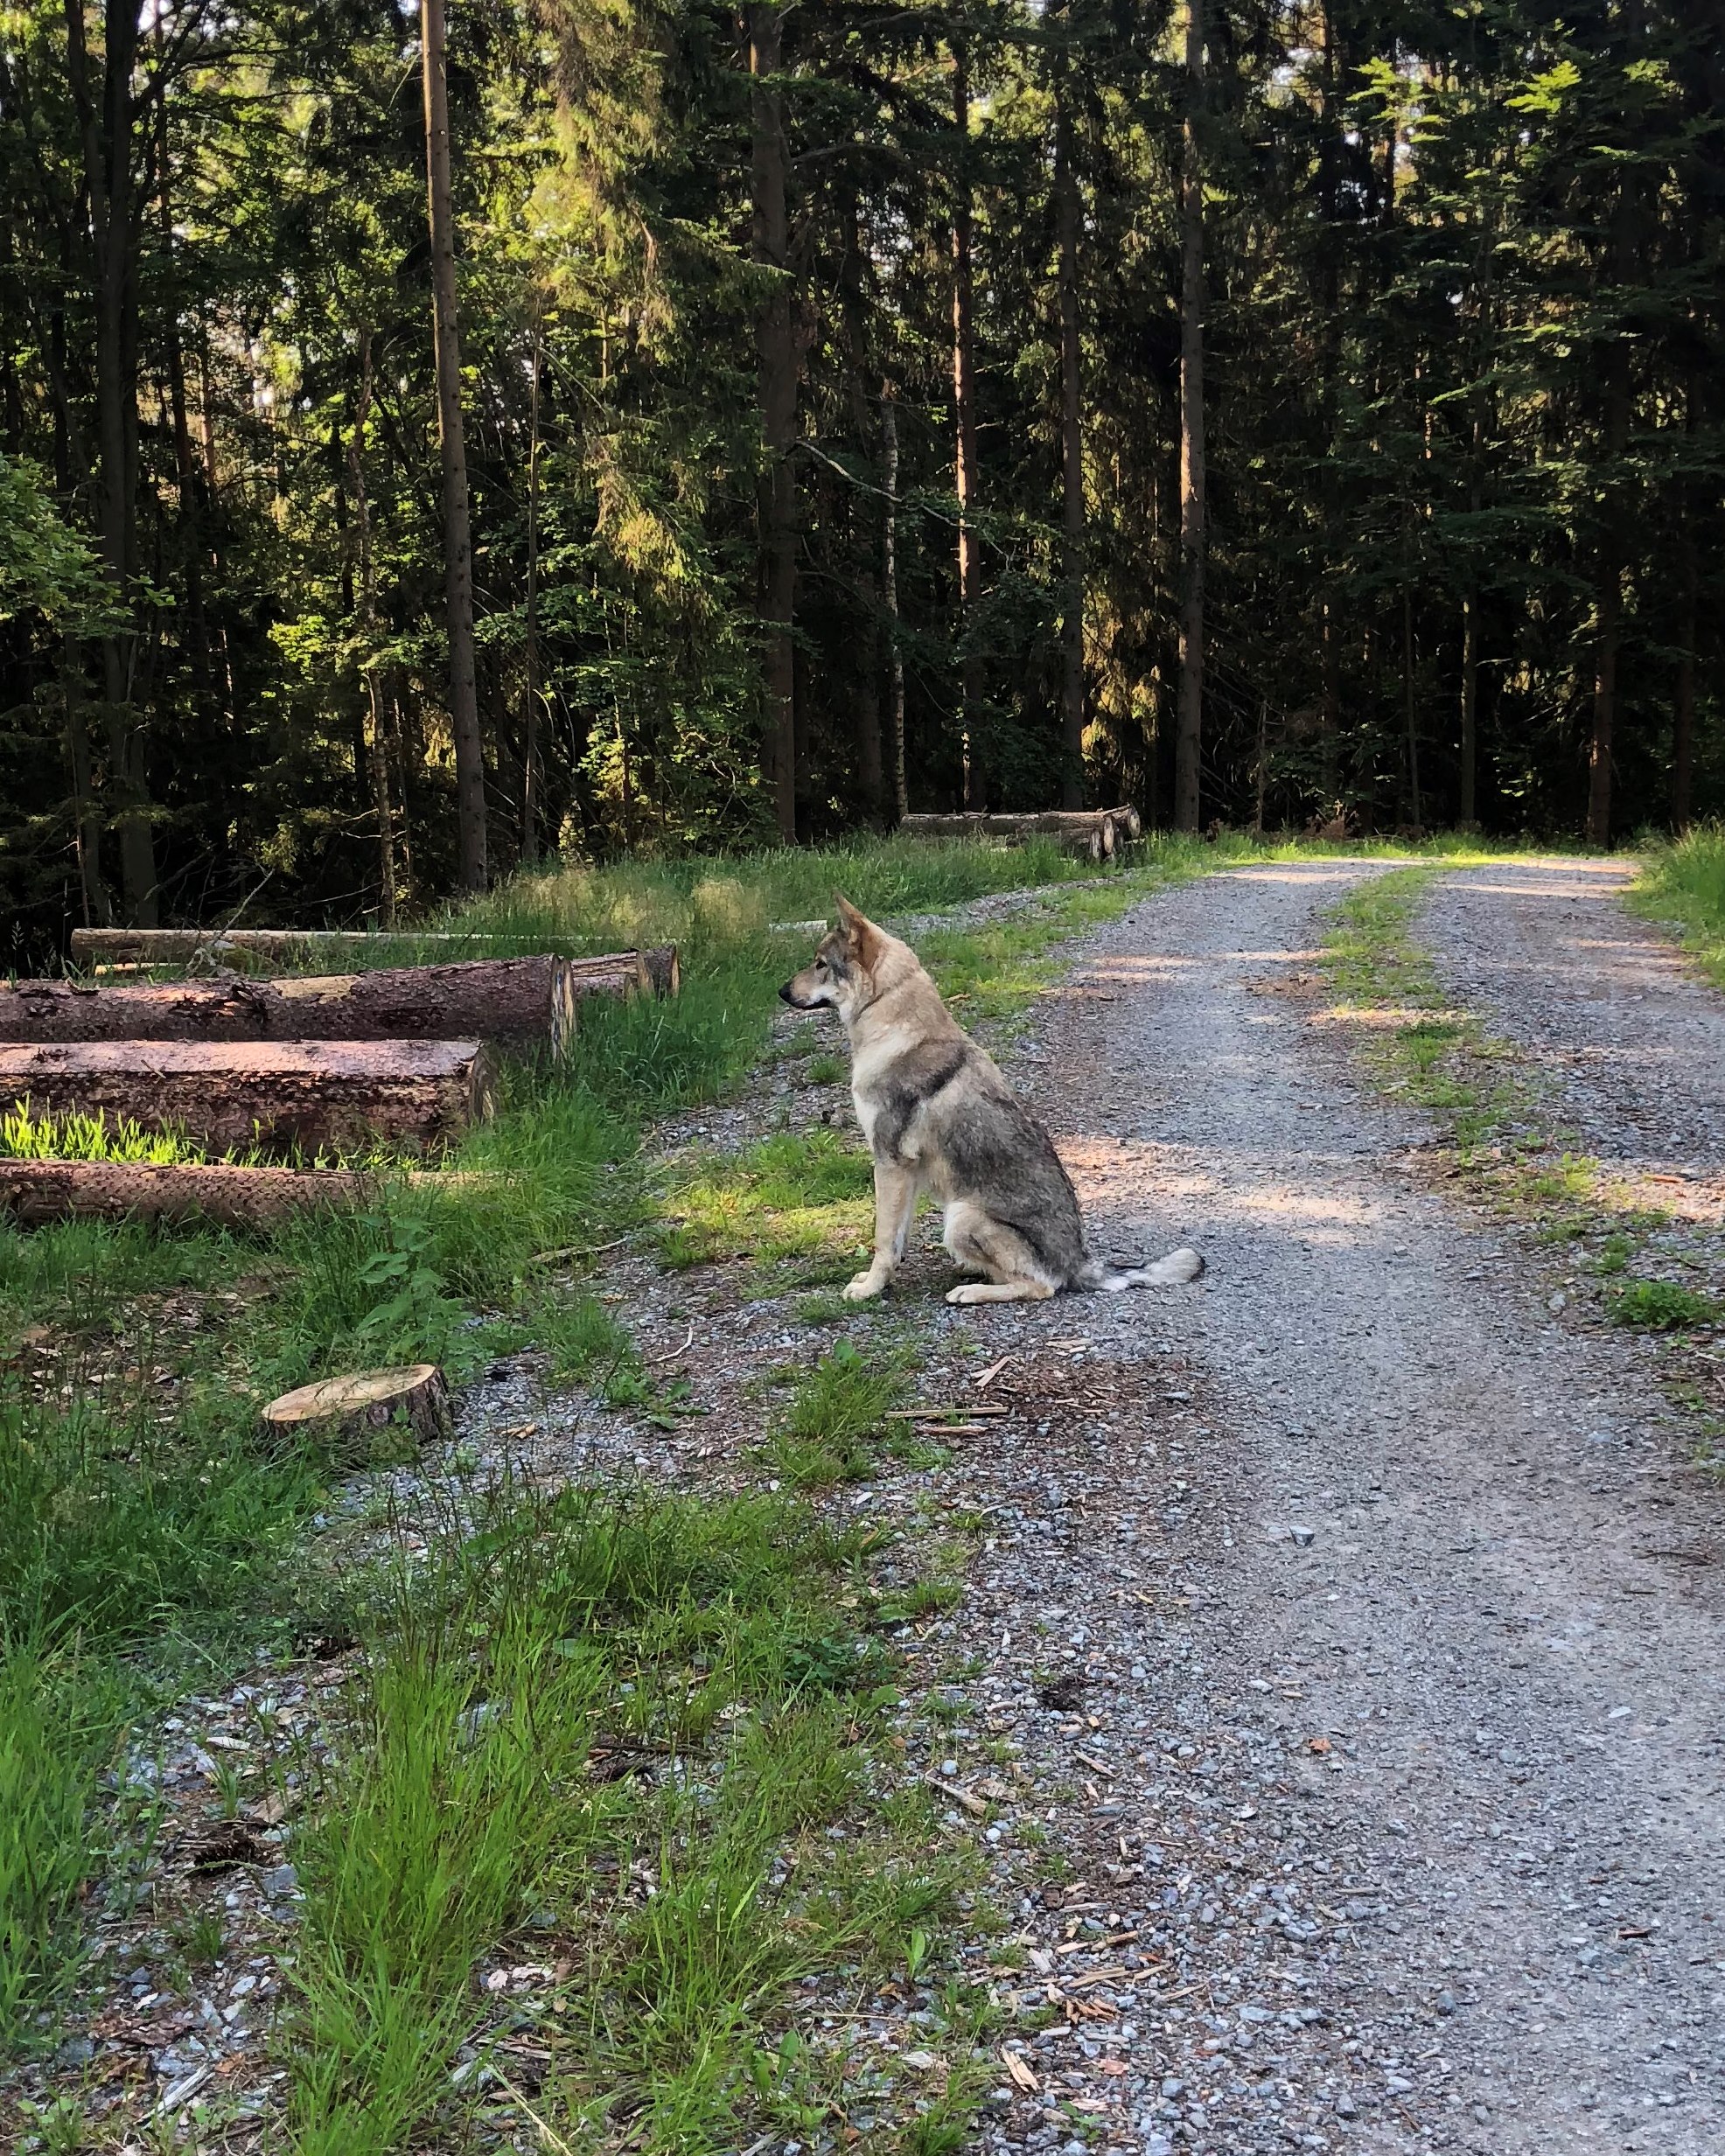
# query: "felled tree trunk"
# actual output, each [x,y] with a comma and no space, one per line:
[522,1003]
[35,1192]
[1089,833]
[317,1095]
[355,1413]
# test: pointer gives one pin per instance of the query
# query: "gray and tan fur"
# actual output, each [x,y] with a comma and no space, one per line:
[938,1116]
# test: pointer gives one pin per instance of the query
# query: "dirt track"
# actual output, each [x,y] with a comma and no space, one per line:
[1427,1775]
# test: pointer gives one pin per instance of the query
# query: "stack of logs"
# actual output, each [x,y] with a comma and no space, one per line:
[1092,834]
[334,1063]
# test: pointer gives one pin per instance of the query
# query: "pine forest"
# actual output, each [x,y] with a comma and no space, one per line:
[431,442]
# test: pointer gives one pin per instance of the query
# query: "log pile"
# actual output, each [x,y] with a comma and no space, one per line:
[1092,834]
[397,1056]
[317,1096]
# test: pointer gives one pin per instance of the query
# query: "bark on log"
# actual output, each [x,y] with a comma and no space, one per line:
[1088,833]
[284,947]
[353,1413]
[33,1193]
[315,1094]
[523,1003]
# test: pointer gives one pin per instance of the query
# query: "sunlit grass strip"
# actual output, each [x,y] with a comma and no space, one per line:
[458,1806]
[1685,882]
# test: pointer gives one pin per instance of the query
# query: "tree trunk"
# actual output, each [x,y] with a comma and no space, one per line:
[1089,834]
[901,800]
[530,703]
[106,129]
[469,764]
[1263,763]
[1683,712]
[1608,609]
[316,1096]
[1467,810]
[1189,731]
[378,761]
[1071,466]
[964,440]
[34,1192]
[526,1003]
[1604,698]
[1410,705]
[776,355]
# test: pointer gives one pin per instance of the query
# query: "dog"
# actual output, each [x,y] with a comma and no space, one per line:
[938,1116]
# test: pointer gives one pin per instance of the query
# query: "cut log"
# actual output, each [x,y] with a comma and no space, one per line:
[1128,824]
[280,949]
[316,1095]
[33,1193]
[519,1003]
[1088,833]
[286,946]
[353,1414]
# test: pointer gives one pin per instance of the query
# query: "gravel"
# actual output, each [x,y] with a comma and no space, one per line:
[1436,1787]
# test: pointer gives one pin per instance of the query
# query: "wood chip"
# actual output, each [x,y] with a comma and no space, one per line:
[963,1798]
[1020,2072]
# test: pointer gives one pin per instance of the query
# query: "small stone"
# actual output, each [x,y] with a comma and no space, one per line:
[280,1878]
[1304,1536]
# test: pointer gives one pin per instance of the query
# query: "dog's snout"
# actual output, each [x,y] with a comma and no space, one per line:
[785,996]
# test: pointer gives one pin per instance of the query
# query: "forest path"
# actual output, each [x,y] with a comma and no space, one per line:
[1442,1653]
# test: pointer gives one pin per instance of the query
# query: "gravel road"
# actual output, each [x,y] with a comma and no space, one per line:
[1408,1701]
[1625,1036]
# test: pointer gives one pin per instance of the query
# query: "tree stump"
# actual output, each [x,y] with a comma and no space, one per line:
[353,1414]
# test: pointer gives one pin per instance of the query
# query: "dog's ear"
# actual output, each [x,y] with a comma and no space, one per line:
[859,932]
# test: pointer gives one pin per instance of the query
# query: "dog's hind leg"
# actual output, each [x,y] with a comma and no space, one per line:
[1000,1291]
[895,1204]
[982,1245]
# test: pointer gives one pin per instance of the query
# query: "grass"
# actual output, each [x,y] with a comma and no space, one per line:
[462,1802]
[1685,882]
[143,1532]
[1662,1306]
[834,1410]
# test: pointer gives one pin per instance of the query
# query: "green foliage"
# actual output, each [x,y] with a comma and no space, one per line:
[46,567]
[1662,1306]
[1685,882]
[56,1726]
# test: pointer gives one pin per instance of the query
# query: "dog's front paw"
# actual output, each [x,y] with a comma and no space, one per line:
[969,1292]
[865,1287]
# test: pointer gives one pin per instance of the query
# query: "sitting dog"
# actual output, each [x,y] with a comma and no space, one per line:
[938,1115]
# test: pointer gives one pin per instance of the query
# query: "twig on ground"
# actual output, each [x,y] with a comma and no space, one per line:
[676,1351]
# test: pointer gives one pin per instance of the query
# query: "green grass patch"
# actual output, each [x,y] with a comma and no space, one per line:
[824,1434]
[1662,1306]
[464,1799]
[798,1194]
[1685,882]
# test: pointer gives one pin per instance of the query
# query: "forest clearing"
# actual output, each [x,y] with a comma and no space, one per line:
[1204,520]
[1275,1708]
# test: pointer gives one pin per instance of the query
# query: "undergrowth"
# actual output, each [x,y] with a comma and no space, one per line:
[474,1788]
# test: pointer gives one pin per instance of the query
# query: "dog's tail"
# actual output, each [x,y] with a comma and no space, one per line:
[1173,1271]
